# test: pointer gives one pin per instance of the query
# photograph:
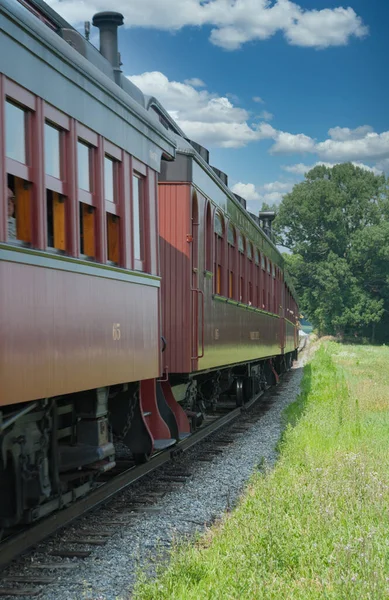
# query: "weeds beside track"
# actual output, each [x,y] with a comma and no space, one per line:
[316,525]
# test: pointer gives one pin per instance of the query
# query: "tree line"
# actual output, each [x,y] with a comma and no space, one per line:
[335,225]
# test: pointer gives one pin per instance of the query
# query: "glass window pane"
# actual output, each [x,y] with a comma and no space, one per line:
[15,120]
[136,208]
[231,235]
[241,243]
[108,179]
[52,151]
[250,252]
[83,166]
[218,225]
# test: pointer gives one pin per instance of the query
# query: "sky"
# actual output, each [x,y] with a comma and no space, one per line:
[270,87]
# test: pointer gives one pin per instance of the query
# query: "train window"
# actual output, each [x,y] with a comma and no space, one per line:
[109,179]
[218,289]
[113,228]
[273,271]
[230,284]
[231,237]
[19,210]
[137,215]
[241,243]
[15,120]
[257,256]
[219,245]
[250,251]
[218,224]
[87,230]
[84,170]
[263,263]
[251,300]
[56,232]
[52,151]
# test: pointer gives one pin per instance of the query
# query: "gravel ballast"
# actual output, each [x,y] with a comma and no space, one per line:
[203,492]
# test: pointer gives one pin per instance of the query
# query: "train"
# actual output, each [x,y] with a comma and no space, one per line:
[137,292]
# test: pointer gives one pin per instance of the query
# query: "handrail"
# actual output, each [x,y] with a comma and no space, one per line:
[202,323]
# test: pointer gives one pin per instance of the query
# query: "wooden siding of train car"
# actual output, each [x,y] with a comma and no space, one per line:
[67,330]
[175,260]
[232,333]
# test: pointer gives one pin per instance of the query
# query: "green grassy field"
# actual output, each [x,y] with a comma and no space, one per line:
[316,526]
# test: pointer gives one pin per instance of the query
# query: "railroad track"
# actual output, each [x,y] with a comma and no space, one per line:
[26,539]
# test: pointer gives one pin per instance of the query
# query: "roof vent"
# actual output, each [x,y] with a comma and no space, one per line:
[204,153]
[222,176]
[241,200]
[108,23]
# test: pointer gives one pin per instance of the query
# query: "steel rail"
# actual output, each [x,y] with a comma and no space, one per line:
[13,547]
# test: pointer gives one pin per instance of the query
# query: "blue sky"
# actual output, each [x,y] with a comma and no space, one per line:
[270,88]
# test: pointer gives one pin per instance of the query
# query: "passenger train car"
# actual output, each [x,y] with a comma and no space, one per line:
[135,288]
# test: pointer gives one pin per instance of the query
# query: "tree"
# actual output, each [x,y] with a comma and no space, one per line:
[266,207]
[336,224]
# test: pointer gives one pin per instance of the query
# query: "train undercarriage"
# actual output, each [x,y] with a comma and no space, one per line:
[53,451]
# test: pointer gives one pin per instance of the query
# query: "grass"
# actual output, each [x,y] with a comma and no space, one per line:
[317,525]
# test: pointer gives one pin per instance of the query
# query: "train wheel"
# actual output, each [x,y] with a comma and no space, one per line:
[249,387]
[239,392]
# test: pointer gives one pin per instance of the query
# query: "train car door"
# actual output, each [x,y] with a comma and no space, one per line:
[197,294]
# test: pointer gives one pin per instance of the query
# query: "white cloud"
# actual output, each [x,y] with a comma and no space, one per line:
[207,118]
[265,115]
[278,186]
[271,193]
[298,169]
[343,134]
[301,169]
[373,146]
[344,145]
[288,142]
[323,28]
[215,120]
[246,190]
[195,82]
[234,22]
[258,99]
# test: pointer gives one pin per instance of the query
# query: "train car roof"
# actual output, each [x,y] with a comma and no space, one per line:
[65,40]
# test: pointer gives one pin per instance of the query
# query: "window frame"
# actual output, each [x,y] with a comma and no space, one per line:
[219,249]
[115,208]
[141,174]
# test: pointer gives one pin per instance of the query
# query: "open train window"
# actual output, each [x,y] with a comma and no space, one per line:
[19,210]
[87,230]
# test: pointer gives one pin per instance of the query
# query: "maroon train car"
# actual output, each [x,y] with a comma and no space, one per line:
[80,330]
[229,313]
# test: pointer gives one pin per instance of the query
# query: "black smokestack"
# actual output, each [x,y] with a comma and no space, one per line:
[108,23]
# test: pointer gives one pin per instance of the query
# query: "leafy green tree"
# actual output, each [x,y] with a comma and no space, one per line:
[266,207]
[336,224]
